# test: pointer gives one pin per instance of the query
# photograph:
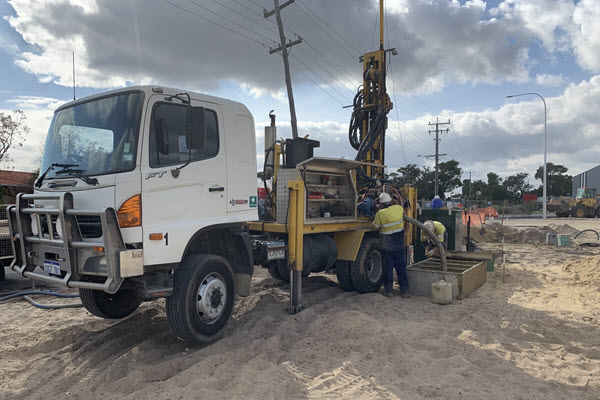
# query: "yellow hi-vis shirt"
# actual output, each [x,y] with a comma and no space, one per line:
[440,229]
[389,220]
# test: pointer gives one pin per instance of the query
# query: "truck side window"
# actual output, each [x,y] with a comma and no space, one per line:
[173,125]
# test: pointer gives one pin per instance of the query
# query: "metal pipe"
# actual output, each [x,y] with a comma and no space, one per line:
[433,237]
[381,24]
[545,194]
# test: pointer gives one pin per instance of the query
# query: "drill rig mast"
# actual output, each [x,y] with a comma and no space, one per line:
[371,106]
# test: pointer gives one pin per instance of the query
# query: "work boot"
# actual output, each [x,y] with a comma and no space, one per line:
[405,295]
[388,294]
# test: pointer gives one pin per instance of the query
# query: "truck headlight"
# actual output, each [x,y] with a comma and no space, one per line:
[59,228]
[34,225]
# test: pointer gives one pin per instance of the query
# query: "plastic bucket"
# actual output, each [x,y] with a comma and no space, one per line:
[563,240]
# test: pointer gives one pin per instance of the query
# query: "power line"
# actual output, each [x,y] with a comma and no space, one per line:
[335,66]
[327,25]
[327,33]
[249,9]
[230,20]
[319,76]
[254,2]
[215,23]
[325,69]
[244,16]
[312,80]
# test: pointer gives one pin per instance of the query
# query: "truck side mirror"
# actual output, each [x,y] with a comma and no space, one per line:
[161,133]
[197,139]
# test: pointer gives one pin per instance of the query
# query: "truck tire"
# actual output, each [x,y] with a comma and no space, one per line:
[598,212]
[342,271]
[366,272]
[274,272]
[578,211]
[558,214]
[110,306]
[2,272]
[203,298]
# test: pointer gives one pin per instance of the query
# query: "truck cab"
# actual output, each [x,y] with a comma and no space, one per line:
[143,194]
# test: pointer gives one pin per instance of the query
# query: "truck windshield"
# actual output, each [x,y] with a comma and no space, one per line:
[99,136]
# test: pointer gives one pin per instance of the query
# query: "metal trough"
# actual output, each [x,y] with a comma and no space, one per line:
[464,275]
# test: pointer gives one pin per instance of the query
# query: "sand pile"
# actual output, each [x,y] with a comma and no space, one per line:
[586,271]
[491,233]
[564,229]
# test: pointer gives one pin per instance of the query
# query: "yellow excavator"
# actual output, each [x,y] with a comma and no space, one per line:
[586,204]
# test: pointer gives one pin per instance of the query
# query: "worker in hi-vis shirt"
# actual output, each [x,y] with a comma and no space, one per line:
[440,231]
[391,227]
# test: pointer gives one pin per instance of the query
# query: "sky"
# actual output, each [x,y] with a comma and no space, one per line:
[457,61]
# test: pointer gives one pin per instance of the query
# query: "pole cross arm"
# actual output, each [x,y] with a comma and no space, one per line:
[290,44]
[267,14]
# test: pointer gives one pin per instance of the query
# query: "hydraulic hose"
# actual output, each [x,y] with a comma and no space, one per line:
[27,293]
[433,237]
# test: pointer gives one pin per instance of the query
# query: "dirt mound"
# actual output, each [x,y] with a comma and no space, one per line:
[564,229]
[491,233]
[586,271]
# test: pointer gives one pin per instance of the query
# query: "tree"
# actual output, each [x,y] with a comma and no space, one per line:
[493,179]
[559,184]
[424,179]
[13,130]
[516,185]
[449,177]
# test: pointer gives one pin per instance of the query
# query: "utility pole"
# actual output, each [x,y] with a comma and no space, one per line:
[286,63]
[437,149]
[470,183]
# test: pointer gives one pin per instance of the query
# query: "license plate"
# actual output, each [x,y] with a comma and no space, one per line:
[52,267]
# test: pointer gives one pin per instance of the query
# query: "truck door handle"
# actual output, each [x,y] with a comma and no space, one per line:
[216,189]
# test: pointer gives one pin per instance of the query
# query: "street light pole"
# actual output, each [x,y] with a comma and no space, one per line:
[545,146]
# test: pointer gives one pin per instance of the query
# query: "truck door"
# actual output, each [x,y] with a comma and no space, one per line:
[174,208]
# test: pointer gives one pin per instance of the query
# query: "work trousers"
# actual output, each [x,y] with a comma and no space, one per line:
[394,260]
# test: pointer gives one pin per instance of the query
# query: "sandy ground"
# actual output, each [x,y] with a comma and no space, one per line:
[535,337]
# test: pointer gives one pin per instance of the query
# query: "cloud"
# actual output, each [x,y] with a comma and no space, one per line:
[586,34]
[139,41]
[550,80]
[39,112]
[561,25]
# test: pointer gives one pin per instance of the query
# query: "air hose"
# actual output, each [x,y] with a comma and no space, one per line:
[27,293]
[361,114]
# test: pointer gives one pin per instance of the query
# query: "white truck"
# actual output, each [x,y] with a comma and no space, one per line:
[144,194]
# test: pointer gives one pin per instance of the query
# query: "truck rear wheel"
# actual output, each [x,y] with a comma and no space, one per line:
[203,297]
[110,306]
[274,272]
[366,271]
[342,271]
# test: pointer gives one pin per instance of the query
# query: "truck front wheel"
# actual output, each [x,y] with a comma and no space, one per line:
[366,272]
[110,306]
[202,299]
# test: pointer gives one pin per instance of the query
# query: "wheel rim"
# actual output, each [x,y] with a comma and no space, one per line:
[374,266]
[211,298]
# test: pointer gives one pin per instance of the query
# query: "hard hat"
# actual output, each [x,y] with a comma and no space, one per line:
[430,225]
[384,198]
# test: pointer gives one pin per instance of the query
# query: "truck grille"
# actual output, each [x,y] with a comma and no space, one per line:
[89,226]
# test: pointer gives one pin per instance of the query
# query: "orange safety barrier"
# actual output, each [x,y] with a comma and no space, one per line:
[477,217]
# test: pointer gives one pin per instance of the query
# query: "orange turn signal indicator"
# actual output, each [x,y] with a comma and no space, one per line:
[130,213]
[156,236]
[98,248]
